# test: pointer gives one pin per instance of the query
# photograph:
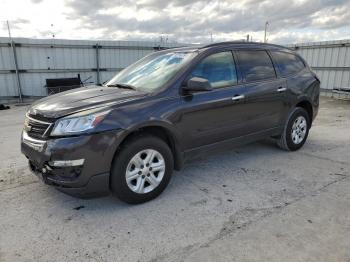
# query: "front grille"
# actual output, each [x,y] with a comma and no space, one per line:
[37,128]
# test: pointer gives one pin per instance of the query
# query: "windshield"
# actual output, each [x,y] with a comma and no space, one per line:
[151,72]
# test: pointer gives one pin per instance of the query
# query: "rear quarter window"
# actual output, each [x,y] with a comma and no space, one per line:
[287,63]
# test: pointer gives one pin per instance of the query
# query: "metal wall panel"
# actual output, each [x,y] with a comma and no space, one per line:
[6,60]
[8,85]
[39,59]
[330,60]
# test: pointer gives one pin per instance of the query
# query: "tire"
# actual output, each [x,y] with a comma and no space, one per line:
[129,163]
[291,141]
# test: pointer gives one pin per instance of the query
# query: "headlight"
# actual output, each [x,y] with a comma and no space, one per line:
[78,123]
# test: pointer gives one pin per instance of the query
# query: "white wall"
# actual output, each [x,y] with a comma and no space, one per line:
[39,59]
[330,60]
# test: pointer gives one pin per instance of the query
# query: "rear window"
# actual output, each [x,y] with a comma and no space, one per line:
[256,65]
[287,63]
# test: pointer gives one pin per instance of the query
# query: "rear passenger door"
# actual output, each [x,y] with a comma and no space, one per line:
[291,68]
[265,94]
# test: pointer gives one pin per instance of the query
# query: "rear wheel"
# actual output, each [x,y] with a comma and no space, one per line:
[142,169]
[296,130]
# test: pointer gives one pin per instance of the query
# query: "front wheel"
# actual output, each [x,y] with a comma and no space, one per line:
[296,130]
[142,169]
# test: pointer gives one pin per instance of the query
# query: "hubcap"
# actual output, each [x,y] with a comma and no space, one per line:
[145,171]
[299,129]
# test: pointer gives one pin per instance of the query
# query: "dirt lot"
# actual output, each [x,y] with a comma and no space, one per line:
[253,203]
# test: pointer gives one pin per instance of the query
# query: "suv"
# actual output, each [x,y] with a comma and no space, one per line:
[128,135]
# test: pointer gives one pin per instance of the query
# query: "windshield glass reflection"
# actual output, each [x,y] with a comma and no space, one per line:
[153,71]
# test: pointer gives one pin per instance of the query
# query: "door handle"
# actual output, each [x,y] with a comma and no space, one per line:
[281,89]
[235,98]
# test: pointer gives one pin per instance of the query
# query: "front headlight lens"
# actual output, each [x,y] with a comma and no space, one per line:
[77,124]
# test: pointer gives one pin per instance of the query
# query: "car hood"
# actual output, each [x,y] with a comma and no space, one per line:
[80,99]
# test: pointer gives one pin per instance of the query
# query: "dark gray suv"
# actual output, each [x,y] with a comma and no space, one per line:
[128,135]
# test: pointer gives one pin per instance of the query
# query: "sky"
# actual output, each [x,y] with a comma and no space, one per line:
[185,21]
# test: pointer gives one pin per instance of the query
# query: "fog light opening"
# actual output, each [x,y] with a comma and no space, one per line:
[66,163]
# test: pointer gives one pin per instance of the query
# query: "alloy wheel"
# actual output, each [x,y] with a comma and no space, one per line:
[299,129]
[145,171]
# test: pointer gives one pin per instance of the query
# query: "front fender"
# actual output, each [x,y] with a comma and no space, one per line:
[170,131]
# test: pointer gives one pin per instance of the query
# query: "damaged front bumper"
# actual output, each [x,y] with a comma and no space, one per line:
[78,166]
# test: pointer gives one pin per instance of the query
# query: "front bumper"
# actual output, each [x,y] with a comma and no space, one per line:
[90,177]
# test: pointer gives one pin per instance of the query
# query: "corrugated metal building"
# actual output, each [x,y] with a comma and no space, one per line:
[39,59]
[330,60]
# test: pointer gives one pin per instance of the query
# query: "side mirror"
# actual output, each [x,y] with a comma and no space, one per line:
[197,84]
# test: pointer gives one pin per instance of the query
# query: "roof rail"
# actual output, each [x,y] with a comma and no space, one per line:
[226,43]
[242,42]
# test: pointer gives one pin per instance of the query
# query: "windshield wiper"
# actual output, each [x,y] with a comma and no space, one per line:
[125,86]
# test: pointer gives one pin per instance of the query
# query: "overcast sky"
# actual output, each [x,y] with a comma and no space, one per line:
[290,21]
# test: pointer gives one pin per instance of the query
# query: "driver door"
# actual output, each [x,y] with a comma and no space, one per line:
[212,116]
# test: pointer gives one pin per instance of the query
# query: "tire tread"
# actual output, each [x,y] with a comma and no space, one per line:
[119,189]
[282,141]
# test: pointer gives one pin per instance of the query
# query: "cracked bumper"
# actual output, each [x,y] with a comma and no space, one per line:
[89,179]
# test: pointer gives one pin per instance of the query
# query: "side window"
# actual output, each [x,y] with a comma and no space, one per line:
[256,65]
[287,63]
[218,68]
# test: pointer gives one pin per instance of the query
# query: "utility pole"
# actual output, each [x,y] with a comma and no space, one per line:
[8,29]
[15,62]
[53,32]
[211,37]
[247,37]
[266,24]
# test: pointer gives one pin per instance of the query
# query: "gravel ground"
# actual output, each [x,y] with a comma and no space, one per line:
[252,203]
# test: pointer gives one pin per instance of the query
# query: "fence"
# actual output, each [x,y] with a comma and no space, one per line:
[25,64]
[330,60]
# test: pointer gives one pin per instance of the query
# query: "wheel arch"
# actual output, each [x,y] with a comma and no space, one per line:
[161,130]
[307,105]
